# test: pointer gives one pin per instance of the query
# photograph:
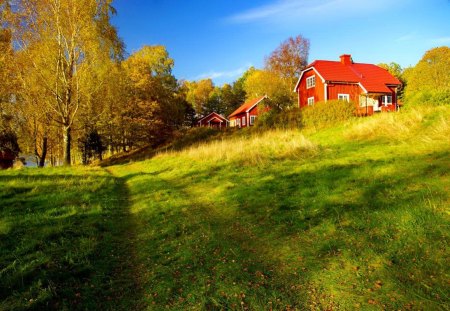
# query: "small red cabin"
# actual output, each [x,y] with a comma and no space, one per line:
[370,87]
[6,159]
[246,114]
[213,120]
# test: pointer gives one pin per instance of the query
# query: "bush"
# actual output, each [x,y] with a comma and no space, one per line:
[280,119]
[328,113]
[428,98]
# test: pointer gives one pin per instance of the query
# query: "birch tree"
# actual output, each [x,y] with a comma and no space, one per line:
[63,42]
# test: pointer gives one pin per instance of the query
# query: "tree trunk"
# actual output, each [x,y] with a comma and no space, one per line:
[67,137]
[44,151]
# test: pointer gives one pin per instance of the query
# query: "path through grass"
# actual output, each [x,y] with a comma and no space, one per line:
[355,222]
[351,217]
[66,241]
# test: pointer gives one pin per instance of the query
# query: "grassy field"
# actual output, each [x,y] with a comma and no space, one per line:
[65,240]
[354,216]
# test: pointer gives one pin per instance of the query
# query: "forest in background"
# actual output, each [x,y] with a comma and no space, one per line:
[69,93]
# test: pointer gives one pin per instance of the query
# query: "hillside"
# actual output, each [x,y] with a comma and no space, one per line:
[346,217]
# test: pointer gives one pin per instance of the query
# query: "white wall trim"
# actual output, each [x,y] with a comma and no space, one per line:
[301,75]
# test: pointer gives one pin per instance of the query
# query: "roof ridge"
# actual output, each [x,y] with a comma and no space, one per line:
[356,72]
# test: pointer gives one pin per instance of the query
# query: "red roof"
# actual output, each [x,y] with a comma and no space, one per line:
[247,106]
[371,77]
[215,114]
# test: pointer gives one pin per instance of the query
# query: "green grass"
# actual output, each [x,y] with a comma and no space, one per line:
[354,216]
[64,240]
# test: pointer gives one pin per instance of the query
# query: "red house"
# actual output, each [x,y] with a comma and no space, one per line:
[246,114]
[213,120]
[370,87]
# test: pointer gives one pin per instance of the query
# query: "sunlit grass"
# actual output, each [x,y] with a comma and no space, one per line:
[253,149]
[349,217]
[330,221]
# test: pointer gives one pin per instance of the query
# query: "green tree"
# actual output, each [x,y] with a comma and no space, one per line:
[397,71]
[153,110]
[264,82]
[199,93]
[238,94]
[429,80]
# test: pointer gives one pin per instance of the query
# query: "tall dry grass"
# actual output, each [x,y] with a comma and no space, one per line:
[396,126]
[254,149]
[439,131]
[424,125]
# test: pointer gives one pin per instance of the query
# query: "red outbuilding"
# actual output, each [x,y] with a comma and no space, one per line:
[213,120]
[6,159]
[370,87]
[246,114]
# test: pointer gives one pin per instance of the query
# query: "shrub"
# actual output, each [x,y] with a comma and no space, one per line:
[280,119]
[428,98]
[327,113]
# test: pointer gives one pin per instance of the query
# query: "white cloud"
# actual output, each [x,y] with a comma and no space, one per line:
[223,74]
[441,40]
[406,37]
[289,10]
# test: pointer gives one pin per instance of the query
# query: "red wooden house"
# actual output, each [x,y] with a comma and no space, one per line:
[246,114]
[370,87]
[213,120]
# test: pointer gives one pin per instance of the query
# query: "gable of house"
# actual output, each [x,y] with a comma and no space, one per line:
[213,119]
[246,114]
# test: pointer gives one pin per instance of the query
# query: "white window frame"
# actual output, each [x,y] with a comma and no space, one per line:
[344,97]
[252,120]
[311,101]
[238,122]
[384,100]
[311,82]
[244,121]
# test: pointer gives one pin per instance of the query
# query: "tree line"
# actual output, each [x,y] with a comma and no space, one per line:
[68,88]
[69,93]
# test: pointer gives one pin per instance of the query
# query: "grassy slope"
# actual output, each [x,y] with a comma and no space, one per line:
[359,220]
[352,216]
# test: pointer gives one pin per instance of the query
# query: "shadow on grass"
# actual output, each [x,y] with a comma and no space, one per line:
[66,242]
[199,257]
[360,234]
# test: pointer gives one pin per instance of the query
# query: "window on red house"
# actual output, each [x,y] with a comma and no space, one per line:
[310,82]
[387,100]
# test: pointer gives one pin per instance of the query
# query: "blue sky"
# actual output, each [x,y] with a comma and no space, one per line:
[220,39]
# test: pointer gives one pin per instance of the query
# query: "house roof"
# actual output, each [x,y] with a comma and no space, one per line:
[216,118]
[371,78]
[247,106]
[215,114]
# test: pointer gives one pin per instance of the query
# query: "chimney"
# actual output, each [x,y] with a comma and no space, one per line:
[346,59]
